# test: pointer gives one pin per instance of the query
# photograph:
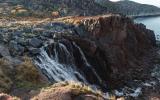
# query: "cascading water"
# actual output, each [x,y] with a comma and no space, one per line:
[65,61]
[58,66]
[87,64]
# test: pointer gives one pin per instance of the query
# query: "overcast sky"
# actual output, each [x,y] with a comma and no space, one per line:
[151,2]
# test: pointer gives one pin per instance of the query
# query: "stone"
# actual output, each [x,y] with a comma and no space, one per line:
[36,43]
[47,34]
[15,48]
[34,51]
[22,41]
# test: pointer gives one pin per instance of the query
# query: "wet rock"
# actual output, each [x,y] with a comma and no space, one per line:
[36,43]
[34,51]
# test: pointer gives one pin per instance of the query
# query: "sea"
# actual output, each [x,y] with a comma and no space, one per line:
[152,23]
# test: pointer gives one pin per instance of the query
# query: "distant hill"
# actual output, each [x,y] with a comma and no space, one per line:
[83,7]
[127,7]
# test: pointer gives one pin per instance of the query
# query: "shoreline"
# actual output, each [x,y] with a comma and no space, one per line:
[143,16]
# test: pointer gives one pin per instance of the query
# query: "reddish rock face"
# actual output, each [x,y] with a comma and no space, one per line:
[115,46]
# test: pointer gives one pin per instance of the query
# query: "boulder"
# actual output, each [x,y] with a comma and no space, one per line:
[22,41]
[15,48]
[34,51]
[36,43]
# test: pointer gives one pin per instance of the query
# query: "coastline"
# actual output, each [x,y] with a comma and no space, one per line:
[142,16]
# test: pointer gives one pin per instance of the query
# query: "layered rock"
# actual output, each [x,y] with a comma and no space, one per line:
[114,45]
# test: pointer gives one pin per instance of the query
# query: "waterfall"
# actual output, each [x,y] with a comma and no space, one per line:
[54,70]
[87,64]
[58,62]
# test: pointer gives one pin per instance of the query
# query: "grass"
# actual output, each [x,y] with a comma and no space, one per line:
[7,97]
[77,88]
[5,72]
[27,75]
[73,88]
[24,75]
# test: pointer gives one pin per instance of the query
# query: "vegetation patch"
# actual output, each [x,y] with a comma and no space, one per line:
[5,73]
[27,75]
[24,75]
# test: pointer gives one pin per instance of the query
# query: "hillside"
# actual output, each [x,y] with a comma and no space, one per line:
[44,8]
[130,8]
[63,7]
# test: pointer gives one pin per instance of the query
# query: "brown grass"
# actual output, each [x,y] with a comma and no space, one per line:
[5,72]
[27,71]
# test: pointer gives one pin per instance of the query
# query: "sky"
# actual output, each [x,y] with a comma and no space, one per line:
[151,2]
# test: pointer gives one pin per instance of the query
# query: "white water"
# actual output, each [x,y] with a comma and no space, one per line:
[86,62]
[56,71]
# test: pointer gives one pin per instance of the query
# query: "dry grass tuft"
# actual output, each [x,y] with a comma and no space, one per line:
[28,76]
[27,71]
[7,97]
[69,90]
[5,72]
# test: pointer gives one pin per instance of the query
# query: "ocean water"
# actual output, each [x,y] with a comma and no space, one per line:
[152,23]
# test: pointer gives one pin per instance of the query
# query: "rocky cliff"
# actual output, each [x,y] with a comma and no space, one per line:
[114,45]
[106,51]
